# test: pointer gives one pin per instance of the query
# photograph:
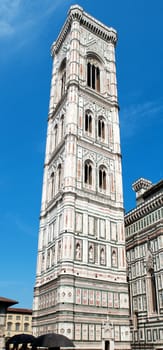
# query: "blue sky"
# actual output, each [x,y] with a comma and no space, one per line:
[27,30]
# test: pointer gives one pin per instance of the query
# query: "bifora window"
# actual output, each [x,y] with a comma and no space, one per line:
[88,123]
[102,178]
[93,76]
[101,128]
[88,173]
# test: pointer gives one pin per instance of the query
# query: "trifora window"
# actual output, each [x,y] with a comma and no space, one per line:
[93,76]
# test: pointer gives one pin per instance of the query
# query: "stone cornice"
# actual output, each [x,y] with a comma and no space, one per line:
[77,13]
[144,209]
[94,95]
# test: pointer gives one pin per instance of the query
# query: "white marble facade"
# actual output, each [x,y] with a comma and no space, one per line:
[144,248]
[81,266]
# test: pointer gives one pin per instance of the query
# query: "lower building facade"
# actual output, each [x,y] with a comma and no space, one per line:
[144,249]
[4,305]
[18,320]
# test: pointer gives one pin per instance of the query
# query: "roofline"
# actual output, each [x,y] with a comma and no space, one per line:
[8,302]
[153,189]
[19,310]
[76,12]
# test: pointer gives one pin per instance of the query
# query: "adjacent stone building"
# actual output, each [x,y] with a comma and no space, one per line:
[81,289]
[4,304]
[144,246]
[18,320]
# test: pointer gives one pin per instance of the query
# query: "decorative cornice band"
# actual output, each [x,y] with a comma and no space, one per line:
[87,21]
[144,209]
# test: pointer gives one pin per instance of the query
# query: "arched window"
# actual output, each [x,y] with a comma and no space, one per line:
[59,175]
[101,128]
[17,327]
[55,135]
[114,258]
[63,83]
[62,126]
[78,251]
[91,253]
[102,178]
[102,257]
[88,173]
[9,326]
[93,76]
[88,123]
[63,77]
[26,327]
[52,187]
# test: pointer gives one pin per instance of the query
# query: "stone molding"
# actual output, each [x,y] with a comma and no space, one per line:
[144,209]
[76,13]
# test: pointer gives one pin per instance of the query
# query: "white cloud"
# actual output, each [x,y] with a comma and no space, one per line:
[9,11]
[134,116]
[16,16]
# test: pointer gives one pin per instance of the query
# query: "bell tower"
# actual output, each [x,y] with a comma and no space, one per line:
[81,289]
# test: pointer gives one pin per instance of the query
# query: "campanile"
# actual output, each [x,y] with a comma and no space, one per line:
[81,289]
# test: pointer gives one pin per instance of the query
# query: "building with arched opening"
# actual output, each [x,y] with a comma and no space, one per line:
[81,288]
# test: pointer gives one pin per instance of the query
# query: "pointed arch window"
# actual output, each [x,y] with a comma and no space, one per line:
[55,135]
[102,256]
[78,251]
[88,123]
[93,76]
[101,128]
[59,175]
[62,126]
[88,173]
[52,186]
[102,178]
[63,83]
[114,258]
[91,253]
[63,77]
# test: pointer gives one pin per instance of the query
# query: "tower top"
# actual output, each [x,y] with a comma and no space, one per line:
[140,186]
[77,13]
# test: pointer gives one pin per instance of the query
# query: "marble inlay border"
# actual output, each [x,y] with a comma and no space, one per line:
[145,208]
[76,13]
